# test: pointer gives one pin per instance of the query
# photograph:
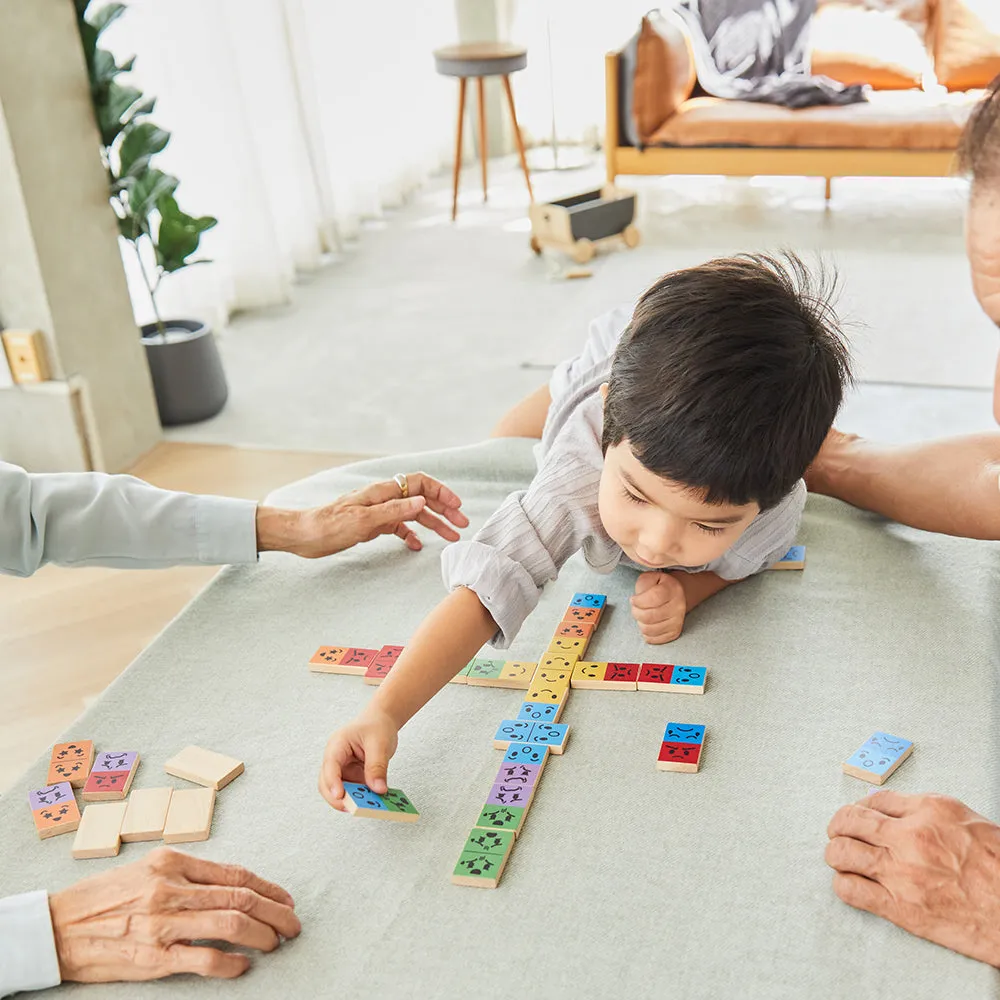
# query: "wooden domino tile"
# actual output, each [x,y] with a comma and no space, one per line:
[515,795]
[146,815]
[558,662]
[589,616]
[512,731]
[54,810]
[680,749]
[794,558]
[485,672]
[508,818]
[516,675]
[605,676]
[522,773]
[553,735]
[541,711]
[575,630]
[526,753]
[549,684]
[99,833]
[672,679]
[189,815]
[71,762]
[393,805]
[483,858]
[385,659]
[567,646]
[326,660]
[358,657]
[111,776]
[877,758]
[204,767]
[596,601]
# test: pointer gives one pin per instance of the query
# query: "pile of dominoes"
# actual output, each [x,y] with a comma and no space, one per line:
[111,815]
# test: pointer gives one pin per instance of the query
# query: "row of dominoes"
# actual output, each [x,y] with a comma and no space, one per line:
[527,741]
[113,816]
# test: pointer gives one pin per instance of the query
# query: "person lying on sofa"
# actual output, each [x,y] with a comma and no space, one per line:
[137,921]
[928,863]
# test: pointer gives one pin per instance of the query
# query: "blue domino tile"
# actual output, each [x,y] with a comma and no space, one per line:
[683,732]
[688,676]
[588,601]
[538,711]
[551,734]
[515,730]
[526,753]
[795,554]
[364,796]
[879,752]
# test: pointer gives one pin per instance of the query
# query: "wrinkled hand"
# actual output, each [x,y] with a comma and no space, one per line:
[925,862]
[359,752]
[136,921]
[362,515]
[659,606]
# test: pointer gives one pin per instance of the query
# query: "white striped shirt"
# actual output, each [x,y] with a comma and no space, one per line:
[525,543]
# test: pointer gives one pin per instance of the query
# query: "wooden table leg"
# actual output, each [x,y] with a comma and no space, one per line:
[458,148]
[482,131]
[517,135]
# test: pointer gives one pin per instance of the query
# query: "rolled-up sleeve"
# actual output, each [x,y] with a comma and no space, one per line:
[28,959]
[525,543]
[91,519]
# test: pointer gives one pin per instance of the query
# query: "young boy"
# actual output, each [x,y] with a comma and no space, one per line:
[675,443]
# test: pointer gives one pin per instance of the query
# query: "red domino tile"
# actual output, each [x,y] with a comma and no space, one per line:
[106,781]
[574,630]
[591,615]
[622,672]
[684,753]
[656,673]
[387,656]
[377,673]
[355,657]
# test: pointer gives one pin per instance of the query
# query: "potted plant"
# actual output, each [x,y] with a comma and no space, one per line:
[183,357]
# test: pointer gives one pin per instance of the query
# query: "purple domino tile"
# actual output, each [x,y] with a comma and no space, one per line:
[524,775]
[50,796]
[115,760]
[502,794]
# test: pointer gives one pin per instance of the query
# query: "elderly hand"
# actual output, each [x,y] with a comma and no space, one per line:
[361,516]
[137,921]
[659,606]
[927,863]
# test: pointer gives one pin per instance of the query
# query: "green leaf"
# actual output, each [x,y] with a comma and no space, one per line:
[147,189]
[130,228]
[141,141]
[108,13]
[111,112]
[179,235]
[88,38]
[144,107]
[105,69]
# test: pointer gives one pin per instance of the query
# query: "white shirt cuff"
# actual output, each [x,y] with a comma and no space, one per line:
[226,530]
[28,959]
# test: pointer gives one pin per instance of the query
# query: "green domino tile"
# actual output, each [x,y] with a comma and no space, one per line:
[482,841]
[475,868]
[485,670]
[396,801]
[501,818]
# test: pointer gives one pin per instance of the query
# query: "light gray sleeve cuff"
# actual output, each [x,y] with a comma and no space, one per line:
[226,530]
[504,587]
[28,959]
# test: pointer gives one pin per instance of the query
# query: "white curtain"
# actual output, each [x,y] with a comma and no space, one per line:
[292,121]
[580,34]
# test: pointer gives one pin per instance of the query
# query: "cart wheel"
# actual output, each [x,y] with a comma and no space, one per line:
[631,236]
[535,245]
[583,250]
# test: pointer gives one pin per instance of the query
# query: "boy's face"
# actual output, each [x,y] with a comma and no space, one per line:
[660,523]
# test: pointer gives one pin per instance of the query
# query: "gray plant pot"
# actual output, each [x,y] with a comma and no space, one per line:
[188,379]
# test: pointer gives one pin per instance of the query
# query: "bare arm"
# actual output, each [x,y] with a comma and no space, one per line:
[662,600]
[699,587]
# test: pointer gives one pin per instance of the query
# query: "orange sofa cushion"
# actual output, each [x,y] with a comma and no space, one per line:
[664,72]
[967,46]
[880,42]
[890,120]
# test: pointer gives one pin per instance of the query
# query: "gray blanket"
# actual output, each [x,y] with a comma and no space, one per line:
[627,881]
[758,50]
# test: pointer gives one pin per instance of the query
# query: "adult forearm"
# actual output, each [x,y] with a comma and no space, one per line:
[446,640]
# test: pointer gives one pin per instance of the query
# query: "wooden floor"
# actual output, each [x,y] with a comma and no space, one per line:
[65,634]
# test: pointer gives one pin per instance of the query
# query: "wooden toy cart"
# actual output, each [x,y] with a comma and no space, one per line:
[574,225]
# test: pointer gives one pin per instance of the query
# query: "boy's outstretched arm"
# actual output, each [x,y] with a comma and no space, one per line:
[662,600]
[445,641]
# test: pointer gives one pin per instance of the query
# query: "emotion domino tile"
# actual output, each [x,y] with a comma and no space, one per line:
[146,815]
[394,805]
[574,630]
[516,675]
[326,660]
[111,776]
[496,817]
[189,815]
[71,762]
[54,810]
[527,753]
[553,735]
[794,558]
[567,646]
[877,758]
[204,767]
[541,711]
[672,679]
[99,833]
[483,858]
[681,747]
[512,731]
[589,601]
[485,672]
[590,616]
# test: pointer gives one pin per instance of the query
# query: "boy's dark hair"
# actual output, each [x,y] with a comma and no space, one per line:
[729,376]
[979,146]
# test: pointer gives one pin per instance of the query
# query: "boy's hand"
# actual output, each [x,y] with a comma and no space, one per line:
[359,752]
[659,606]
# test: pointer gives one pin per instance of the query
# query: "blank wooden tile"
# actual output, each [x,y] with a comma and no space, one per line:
[189,815]
[71,762]
[204,767]
[99,834]
[878,757]
[54,810]
[146,814]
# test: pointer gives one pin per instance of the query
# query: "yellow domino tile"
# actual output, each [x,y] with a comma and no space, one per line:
[564,645]
[587,674]
[516,674]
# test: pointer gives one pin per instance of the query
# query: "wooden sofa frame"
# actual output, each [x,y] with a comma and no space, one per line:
[746,161]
